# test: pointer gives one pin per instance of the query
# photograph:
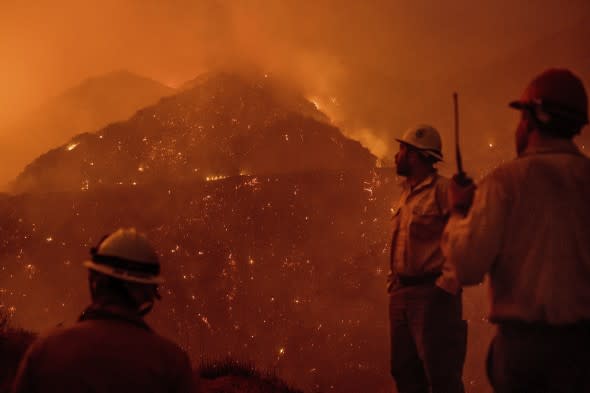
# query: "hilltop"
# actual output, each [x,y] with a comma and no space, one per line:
[224,125]
[88,106]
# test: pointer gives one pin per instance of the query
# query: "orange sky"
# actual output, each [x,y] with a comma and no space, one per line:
[361,53]
[51,45]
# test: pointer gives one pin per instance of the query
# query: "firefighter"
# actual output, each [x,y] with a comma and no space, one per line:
[428,333]
[528,228]
[110,348]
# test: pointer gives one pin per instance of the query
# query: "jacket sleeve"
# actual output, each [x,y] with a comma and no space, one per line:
[471,244]
[25,380]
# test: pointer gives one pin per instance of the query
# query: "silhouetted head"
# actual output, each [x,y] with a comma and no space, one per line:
[124,271]
[419,149]
[554,104]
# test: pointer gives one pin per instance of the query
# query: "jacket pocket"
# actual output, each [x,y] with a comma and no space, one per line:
[427,226]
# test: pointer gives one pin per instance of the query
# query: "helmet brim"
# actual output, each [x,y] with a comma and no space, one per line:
[431,153]
[582,118]
[123,275]
[519,105]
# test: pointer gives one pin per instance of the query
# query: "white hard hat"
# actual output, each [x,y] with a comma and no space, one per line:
[126,255]
[425,138]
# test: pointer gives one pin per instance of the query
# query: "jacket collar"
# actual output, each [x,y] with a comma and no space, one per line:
[113,313]
[556,146]
[427,182]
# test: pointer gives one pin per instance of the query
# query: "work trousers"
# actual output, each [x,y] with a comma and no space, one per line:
[536,358]
[428,340]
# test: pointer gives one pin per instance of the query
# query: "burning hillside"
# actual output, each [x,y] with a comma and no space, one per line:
[272,226]
[221,126]
[285,270]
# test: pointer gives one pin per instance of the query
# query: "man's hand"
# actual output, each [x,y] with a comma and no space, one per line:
[460,193]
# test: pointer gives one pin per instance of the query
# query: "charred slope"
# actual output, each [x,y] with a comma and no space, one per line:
[287,271]
[93,104]
[223,126]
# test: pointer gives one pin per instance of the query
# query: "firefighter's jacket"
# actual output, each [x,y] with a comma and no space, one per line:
[106,351]
[419,218]
[529,229]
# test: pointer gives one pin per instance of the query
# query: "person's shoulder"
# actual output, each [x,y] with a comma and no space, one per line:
[503,171]
[441,183]
[441,186]
[47,338]
[169,348]
[505,179]
[57,332]
[175,357]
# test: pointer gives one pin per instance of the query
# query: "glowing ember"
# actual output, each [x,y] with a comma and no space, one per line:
[242,251]
[215,177]
[30,270]
[71,146]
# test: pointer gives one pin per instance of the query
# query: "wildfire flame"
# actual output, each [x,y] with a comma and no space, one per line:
[215,177]
[315,101]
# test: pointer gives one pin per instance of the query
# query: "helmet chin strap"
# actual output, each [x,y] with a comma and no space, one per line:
[144,303]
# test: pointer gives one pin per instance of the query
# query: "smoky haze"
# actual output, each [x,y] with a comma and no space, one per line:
[374,67]
[312,249]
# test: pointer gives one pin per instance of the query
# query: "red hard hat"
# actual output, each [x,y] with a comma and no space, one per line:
[558,92]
